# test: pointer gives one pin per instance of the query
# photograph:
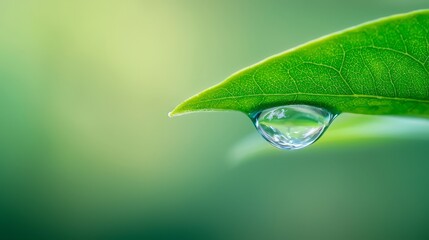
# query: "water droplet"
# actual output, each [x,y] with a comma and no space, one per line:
[292,126]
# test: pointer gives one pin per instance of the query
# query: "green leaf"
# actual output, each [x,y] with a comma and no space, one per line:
[381,67]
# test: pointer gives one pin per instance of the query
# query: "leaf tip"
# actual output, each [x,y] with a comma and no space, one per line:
[180,109]
[175,112]
[192,104]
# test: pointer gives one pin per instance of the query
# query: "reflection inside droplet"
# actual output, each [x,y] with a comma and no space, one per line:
[292,126]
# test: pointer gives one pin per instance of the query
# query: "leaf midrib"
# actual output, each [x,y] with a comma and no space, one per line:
[320,95]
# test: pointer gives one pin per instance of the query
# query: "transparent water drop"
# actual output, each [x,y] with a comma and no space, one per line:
[292,126]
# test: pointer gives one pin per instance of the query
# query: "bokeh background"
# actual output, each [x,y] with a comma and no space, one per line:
[87,150]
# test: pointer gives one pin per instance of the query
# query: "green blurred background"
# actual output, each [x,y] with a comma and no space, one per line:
[87,150]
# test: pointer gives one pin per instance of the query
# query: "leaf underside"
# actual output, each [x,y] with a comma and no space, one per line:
[381,67]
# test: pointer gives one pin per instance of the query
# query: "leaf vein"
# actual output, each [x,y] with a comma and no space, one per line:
[321,95]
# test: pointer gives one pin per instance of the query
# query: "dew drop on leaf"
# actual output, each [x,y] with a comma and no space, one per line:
[292,126]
